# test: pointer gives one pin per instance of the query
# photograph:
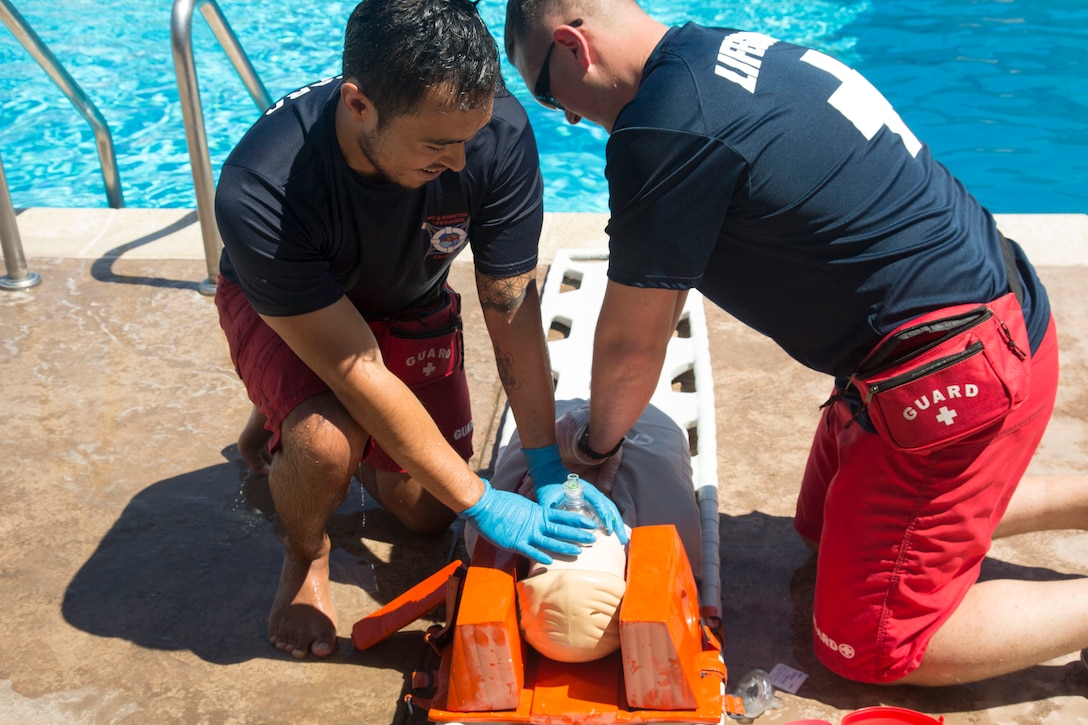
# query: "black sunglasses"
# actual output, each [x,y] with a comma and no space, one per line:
[542,89]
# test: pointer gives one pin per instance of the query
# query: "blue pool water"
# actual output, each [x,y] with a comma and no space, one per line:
[998,89]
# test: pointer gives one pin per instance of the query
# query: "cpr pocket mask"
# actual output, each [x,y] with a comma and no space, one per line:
[945,376]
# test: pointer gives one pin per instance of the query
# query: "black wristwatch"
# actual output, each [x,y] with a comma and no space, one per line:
[584,449]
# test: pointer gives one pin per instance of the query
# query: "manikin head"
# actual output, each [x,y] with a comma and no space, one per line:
[569,610]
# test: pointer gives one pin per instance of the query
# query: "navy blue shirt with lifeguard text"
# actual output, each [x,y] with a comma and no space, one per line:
[783,186]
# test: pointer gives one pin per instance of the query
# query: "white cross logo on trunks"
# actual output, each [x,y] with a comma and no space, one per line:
[947,416]
[428,368]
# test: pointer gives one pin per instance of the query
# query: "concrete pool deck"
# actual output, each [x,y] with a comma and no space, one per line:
[139,558]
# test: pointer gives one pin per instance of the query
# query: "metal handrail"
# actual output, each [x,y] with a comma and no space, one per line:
[17,276]
[181,25]
[48,62]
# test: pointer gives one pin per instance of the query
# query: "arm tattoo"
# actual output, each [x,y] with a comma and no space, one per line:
[505,364]
[504,294]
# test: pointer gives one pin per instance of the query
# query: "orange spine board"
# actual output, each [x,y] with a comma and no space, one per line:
[488,665]
[403,610]
[659,622]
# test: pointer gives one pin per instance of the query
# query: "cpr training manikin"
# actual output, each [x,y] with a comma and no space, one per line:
[569,610]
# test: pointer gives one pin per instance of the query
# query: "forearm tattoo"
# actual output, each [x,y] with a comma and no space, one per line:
[504,294]
[505,364]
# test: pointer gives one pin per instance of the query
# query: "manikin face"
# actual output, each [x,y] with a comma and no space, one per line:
[415,148]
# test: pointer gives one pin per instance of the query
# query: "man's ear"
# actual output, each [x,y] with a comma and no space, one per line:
[572,38]
[356,102]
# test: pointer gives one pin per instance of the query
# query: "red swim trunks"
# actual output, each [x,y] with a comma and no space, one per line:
[902,535]
[424,348]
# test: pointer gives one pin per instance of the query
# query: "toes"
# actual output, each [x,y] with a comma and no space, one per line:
[323,648]
[320,647]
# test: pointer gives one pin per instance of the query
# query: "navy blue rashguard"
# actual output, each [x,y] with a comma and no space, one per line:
[783,186]
[301,229]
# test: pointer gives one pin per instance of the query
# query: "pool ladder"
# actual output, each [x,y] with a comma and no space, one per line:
[17,276]
[181,22]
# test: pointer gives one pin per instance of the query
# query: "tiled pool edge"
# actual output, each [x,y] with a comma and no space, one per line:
[1049,239]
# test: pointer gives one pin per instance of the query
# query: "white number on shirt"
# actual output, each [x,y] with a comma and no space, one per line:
[860,103]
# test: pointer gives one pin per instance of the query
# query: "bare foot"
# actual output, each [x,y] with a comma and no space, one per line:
[253,443]
[303,618]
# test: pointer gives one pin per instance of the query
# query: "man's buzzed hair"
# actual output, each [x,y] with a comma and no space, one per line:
[524,17]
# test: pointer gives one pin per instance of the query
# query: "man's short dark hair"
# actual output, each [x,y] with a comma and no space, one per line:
[522,18]
[398,50]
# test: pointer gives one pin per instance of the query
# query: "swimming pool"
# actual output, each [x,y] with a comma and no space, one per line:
[998,89]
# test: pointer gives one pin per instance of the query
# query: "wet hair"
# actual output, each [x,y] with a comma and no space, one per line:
[397,51]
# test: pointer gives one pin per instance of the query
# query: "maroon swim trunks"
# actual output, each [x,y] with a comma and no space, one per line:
[424,348]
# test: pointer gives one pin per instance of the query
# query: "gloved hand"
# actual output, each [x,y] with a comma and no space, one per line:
[549,474]
[568,429]
[545,466]
[515,523]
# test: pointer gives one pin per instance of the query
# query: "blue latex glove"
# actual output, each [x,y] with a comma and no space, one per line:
[549,474]
[515,523]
